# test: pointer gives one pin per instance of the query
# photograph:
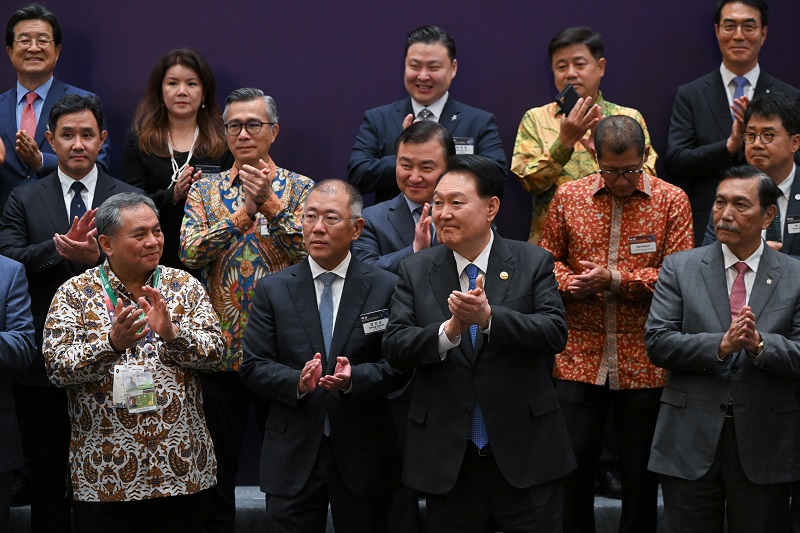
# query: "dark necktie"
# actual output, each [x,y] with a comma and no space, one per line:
[774,229]
[326,310]
[477,430]
[740,82]
[77,208]
[425,114]
[738,290]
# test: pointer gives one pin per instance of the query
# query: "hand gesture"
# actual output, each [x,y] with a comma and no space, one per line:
[583,117]
[28,151]
[340,379]
[593,279]
[741,334]
[181,188]
[734,142]
[422,232]
[257,186]
[310,375]
[157,314]
[470,307]
[128,327]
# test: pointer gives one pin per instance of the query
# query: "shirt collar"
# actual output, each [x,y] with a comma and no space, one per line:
[644,186]
[436,108]
[340,270]
[752,261]
[786,185]
[482,261]
[411,205]
[42,90]
[89,181]
[727,75]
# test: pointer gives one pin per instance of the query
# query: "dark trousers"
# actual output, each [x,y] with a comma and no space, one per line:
[307,512]
[45,429]
[695,506]
[585,408]
[6,484]
[226,405]
[404,511]
[171,514]
[482,501]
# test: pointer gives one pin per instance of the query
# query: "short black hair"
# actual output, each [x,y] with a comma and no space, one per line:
[489,181]
[577,35]
[767,190]
[72,103]
[427,130]
[778,105]
[431,35]
[618,134]
[32,12]
[761,5]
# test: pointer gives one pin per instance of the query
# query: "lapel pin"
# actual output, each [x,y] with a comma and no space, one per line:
[504,275]
[454,117]
[769,281]
[797,196]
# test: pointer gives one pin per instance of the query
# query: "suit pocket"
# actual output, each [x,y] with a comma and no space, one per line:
[276,423]
[785,404]
[545,403]
[674,397]
[417,412]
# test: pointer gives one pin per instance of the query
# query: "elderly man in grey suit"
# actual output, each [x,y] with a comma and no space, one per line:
[725,323]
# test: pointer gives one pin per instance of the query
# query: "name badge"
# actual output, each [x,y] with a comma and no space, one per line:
[209,171]
[134,389]
[464,145]
[642,244]
[793,224]
[375,321]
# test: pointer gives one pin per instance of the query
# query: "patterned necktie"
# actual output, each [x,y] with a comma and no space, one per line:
[774,229]
[477,429]
[738,290]
[326,310]
[425,114]
[27,121]
[740,82]
[77,208]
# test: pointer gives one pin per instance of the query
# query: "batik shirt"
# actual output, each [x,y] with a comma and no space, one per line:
[234,252]
[542,163]
[631,239]
[115,455]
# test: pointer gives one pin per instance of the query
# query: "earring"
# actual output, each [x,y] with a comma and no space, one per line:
[203,104]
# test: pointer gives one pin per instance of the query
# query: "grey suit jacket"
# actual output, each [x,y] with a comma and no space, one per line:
[388,234]
[689,314]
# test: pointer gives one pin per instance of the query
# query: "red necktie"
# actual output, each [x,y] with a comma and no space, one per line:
[738,290]
[27,121]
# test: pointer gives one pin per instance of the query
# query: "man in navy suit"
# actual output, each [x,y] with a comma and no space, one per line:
[33,42]
[48,226]
[704,134]
[16,350]
[313,347]
[397,228]
[430,66]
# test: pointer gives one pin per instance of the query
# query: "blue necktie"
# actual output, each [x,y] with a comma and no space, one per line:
[740,82]
[77,208]
[477,430]
[326,310]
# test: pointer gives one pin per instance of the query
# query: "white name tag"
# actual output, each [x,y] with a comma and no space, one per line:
[642,244]
[793,224]
[464,145]
[375,321]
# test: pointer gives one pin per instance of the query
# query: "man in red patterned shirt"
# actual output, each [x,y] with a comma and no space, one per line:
[609,233]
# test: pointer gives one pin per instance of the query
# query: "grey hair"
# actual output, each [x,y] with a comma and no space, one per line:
[355,203]
[108,219]
[249,94]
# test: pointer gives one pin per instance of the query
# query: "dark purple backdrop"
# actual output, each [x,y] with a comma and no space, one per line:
[326,62]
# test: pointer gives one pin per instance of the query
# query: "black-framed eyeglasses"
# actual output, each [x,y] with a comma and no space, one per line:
[621,173]
[330,219]
[766,137]
[41,42]
[748,28]
[253,127]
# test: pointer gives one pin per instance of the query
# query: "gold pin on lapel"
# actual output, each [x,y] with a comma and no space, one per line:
[503,275]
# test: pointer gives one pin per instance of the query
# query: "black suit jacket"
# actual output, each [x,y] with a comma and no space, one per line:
[283,333]
[698,130]
[506,372]
[32,215]
[372,161]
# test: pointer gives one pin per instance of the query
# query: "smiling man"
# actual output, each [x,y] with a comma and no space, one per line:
[706,125]
[33,43]
[240,226]
[430,66]
[49,227]
[553,148]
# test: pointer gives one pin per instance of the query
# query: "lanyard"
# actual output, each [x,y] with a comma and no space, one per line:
[176,170]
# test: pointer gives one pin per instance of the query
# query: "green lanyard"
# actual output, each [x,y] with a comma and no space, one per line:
[111,299]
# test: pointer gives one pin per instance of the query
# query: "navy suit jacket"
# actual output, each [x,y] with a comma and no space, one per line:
[372,161]
[14,172]
[387,235]
[698,130]
[506,371]
[32,215]
[16,350]
[282,334]
[689,315]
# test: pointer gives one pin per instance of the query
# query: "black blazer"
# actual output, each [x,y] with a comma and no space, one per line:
[283,333]
[32,215]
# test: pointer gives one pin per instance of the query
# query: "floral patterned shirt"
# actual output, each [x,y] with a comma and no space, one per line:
[542,163]
[115,455]
[234,252]
[631,239]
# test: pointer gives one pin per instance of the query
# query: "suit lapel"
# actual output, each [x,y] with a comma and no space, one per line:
[103,189]
[717,100]
[304,298]
[57,90]
[402,110]
[450,115]
[767,280]
[8,114]
[53,203]
[402,220]
[792,209]
[712,269]
[763,85]
[354,294]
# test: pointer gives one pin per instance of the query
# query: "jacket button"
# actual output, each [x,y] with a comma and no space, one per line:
[468,411]
[734,369]
[476,374]
[28,178]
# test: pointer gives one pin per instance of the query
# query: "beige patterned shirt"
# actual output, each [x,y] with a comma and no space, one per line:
[115,455]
